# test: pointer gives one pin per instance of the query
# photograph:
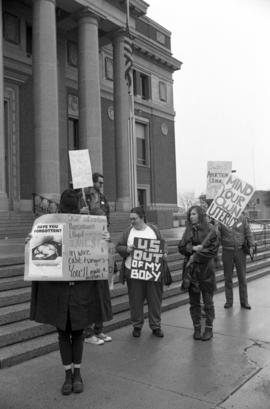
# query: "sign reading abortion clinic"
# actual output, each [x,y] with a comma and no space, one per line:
[67,247]
[230,201]
[217,172]
[146,259]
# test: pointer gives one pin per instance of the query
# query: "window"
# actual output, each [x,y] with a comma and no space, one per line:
[73,134]
[108,68]
[258,201]
[142,144]
[72,54]
[142,198]
[11,28]
[162,91]
[141,84]
[28,40]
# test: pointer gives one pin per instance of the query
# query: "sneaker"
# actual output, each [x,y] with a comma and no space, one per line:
[104,337]
[94,340]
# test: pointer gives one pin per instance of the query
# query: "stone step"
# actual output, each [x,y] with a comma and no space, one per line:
[21,331]
[12,283]
[17,296]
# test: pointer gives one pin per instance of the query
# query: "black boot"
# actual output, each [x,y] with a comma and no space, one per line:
[197,332]
[208,334]
[67,385]
[77,381]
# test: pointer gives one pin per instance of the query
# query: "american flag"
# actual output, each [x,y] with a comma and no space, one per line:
[128,51]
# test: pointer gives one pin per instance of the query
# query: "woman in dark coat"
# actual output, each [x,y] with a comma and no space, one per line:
[199,245]
[141,290]
[70,307]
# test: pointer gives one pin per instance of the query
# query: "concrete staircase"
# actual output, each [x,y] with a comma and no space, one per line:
[15,224]
[22,339]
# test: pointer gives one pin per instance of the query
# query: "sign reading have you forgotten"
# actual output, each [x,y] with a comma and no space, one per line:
[67,247]
[230,201]
[146,259]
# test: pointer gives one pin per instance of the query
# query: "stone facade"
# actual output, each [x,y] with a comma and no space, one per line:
[62,71]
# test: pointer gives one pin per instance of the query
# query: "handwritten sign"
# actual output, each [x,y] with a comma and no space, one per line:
[217,173]
[67,247]
[81,170]
[146,260]
[230,201]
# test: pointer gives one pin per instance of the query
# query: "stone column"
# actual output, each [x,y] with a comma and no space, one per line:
[121,112]
[3,192]
[45,89]
[90,131]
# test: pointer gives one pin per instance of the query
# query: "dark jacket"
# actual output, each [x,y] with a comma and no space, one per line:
[202,267]
[121,248]
[88,302]
[235,237]
[51,300]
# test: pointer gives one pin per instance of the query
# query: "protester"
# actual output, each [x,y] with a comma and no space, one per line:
[98,205]
[199,245]
[70,307]
[94,333]
[233,241]
[140,290]
[95,197]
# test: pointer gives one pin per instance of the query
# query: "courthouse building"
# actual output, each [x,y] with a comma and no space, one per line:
[63,87]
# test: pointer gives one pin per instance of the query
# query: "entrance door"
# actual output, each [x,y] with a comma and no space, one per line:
[11,147]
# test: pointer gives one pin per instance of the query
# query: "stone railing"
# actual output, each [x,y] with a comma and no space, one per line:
[43,205]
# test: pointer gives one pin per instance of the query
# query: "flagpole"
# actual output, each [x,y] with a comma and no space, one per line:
[131,129]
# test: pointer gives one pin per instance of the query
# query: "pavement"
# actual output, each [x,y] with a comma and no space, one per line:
[231,371]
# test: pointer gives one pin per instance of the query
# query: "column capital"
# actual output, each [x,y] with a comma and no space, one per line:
[90,14]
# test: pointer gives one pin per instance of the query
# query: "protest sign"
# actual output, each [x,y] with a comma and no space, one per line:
[217,172]
[146,259]
[67,247]
[230,201]
[81,170]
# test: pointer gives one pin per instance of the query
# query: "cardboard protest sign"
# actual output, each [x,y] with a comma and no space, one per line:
[146,259]
[230,201]
[217,173]
[81,170]
[67,247]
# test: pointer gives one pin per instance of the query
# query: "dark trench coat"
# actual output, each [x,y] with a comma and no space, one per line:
[88,302]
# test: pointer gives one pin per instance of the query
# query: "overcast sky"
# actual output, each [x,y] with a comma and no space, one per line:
[222,92]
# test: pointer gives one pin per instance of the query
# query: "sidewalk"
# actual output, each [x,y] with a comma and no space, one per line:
[176,372]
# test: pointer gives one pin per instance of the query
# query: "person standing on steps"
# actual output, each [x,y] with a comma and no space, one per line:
[199,245]
[233,241]
[98,205]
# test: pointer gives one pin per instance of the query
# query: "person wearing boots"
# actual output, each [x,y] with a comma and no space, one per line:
[233,241]
[199,245]
[70,306]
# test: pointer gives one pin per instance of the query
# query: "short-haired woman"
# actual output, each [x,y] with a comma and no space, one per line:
[141,290]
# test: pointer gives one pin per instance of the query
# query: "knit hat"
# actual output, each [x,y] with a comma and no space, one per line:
[70,201]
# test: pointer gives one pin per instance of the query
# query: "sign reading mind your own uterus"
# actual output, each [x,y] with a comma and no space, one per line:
[230,201]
